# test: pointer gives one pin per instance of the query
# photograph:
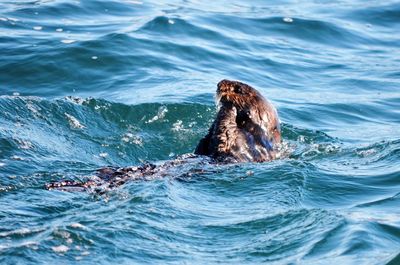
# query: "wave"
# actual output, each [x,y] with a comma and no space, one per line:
[128,134]
[118,83]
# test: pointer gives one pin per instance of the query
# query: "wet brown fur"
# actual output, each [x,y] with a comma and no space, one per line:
[246,127]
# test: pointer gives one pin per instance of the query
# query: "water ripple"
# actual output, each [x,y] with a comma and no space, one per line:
[86,84]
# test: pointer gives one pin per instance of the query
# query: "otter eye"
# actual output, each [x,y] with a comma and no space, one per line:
[237,89]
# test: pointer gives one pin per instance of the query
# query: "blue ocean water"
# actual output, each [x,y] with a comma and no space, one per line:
[90,83]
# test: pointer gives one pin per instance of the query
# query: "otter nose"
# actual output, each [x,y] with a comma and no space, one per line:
[221,83]
[224,84]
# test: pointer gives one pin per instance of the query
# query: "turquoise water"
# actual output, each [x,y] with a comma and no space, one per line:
[86,84]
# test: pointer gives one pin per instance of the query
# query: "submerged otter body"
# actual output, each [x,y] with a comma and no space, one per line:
[246,129]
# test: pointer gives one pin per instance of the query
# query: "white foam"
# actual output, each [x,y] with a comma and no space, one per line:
[368,152]
[103,155]
[68,41]
[249,173]
[131,138]
[178,126]
[63,234]
[59,30]
[160,115]
[77,225]
[38,28]
[21,231]
[24,144]
[73,122]
[32,108]
[75,100]
[60,249]
[15,157]
[288,19]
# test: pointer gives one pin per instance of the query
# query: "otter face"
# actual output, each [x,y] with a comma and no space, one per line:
[246,127]
[252,109]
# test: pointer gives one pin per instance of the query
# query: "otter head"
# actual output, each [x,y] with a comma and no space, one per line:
[246,127]
[252,108]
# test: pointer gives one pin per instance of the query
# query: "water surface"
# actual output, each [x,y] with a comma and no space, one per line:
[86,84]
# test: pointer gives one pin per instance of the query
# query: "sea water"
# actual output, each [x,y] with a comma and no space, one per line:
[92,83]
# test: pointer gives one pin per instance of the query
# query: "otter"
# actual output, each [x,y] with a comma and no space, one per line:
[246,129]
